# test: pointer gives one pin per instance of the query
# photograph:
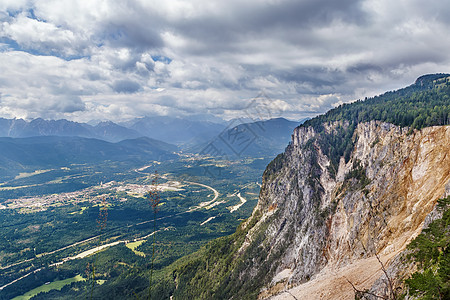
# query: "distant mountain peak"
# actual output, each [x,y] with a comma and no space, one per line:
[106,123]
[107,130]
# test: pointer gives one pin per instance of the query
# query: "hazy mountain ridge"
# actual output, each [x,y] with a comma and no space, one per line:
[108,131]
[254,139]
[270,136]
[21,154]
[167,129]
[175,130]
[267,137]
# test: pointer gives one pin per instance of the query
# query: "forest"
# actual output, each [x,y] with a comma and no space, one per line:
[425,103]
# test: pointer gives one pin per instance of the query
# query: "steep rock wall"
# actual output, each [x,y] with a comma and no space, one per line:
[314,219]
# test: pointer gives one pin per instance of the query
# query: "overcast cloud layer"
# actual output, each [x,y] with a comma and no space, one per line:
[105,59]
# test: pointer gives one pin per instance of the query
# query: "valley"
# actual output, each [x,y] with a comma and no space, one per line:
[59,234]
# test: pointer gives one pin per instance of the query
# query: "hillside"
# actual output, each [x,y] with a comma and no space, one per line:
[350,185]
[269,137]
[422,104]
[176,131]
[254,139]
[34,153]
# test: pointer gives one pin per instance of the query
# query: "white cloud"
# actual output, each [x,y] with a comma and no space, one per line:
[45,37]
[13,5]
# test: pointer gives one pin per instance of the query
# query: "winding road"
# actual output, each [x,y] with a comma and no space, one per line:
[237,206]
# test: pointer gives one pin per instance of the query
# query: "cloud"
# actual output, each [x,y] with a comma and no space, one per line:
[13,5]
[65,104]
[111,59]
[42,37]
[113,23]
[232,23]
[43,86]
[54,107]
[126,86]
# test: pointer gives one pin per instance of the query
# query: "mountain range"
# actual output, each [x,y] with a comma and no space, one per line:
[107,131]
[40,144]
[264,137]
[176,131]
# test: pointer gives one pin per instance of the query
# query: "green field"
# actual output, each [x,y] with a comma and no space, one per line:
[134,245]
[55,285]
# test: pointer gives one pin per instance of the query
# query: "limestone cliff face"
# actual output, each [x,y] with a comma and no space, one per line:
[315,217]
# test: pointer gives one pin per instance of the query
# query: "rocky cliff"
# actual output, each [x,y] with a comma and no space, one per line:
[351,190]
[318,224]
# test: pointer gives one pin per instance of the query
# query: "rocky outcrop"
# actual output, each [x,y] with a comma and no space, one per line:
[318,220]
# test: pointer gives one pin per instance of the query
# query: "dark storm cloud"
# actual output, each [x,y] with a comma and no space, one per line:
[126,86]
[133,26]
[249,20]
[313,79]
[68,104]
[296,14]
[129,35]
[300,14]
[364,68]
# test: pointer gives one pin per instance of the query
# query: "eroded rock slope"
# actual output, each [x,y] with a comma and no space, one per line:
[318,216]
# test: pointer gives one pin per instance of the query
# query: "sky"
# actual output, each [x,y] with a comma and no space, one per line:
[117,60]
